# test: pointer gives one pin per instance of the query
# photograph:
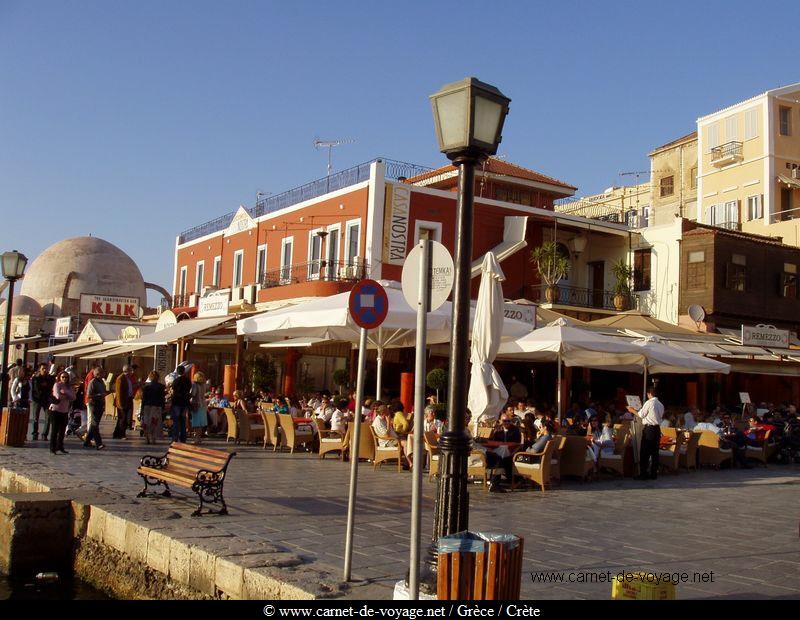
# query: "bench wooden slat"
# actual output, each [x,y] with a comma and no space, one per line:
[200,456]
[186,447]
[180,459]
[168,476]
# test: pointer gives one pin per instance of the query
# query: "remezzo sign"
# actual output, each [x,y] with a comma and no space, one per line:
[765,336]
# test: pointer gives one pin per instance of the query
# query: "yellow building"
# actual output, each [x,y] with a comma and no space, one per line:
[749,165]
[673,171]
[629,204]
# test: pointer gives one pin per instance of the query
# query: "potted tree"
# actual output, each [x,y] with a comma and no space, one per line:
[551,266]
[622,289]
[437,380]
[341,377]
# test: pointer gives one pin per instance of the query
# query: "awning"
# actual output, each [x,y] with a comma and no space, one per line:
[766,368]
[736,349]
[93,350]
[26,340]
[794,183]
[293,342]
[514,227]
[65,349]
[702,348]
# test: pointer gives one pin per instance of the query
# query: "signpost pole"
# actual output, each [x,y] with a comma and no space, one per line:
[423,306]
[354,445]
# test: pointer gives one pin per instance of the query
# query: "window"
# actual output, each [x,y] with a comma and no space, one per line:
[788,282]
[667,186]
[261,263]
[182,282]
[427,230]
[199,275]
[786,204]
[751,124]
[238,267]
[641,270]
[693,178]
[731,129]
[352,241]
[517,196]
[736,273]
[785,115]
[314,253]
[217,270]
[755,210]
[286,260]
[724,215]
[332,251]
[696,270]
[712,133]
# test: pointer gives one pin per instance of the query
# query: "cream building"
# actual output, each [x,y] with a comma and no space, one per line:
[628,204]
[673,172]
[749,165]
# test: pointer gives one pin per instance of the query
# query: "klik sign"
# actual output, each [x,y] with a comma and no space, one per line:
[395,233]
[765,336]
[106,305]
[63,327]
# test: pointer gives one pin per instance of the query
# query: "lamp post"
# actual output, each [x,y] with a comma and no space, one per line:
[13,264]
[469,117]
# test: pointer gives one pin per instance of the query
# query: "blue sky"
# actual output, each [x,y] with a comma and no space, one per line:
[135,120]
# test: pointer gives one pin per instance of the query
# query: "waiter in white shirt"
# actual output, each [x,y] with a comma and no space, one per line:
[651,414]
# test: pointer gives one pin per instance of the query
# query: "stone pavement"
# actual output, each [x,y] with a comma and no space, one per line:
[740,524]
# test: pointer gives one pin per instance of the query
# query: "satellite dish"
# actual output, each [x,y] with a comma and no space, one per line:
[696,313]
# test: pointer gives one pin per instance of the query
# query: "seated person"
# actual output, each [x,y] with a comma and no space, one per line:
[279,405]
[756,431]
[401,422]
[690,418]
[669,420]
[340,417]
[705,424]
[324,412]
[508,431]
[534,452]
[601,437]
[385,432]
[431,423]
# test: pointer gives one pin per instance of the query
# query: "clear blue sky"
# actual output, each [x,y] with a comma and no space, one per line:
[135,120]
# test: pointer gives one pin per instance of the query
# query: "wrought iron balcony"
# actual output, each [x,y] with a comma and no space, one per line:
[180,300]
[315,271]
[574,296]
[727,153]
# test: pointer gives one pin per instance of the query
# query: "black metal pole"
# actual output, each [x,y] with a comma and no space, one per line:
[452,502]
[6,345]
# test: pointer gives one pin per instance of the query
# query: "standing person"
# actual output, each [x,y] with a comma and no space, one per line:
[14,372]
[136,385]
[41,390]
[21,390]
[154,399]
[197,406]
[63,395]
[96,407]
[181,387]
[651,414]
[123,401]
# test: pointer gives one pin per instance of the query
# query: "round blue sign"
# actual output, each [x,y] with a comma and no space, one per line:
[369,304]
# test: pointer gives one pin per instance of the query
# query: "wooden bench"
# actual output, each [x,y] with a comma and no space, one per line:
[200,469]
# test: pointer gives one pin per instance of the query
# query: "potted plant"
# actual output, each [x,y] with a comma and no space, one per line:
[437,380]
[622,289]
[341,377]
[551,265]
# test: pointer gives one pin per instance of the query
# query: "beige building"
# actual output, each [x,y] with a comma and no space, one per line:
[628,204]
[749,165]
[673,173]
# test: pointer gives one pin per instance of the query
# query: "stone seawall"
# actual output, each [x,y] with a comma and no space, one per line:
[136,550]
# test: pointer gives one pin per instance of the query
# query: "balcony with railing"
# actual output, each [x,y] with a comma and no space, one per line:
[728,153]
[573,296]
[315,271]
[314,189]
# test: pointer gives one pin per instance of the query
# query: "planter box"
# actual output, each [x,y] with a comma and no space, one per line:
[13,426]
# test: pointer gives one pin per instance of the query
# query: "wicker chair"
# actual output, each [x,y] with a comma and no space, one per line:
[333,441]
[688,458]
[386,453]
[291,437]
[478,466]
[710,452]
[431,443]
[669,458]
[271,437]
[233,425]
[539,472]
[575,457]
[249,432]
[761,453]
[366,448]
[616,462]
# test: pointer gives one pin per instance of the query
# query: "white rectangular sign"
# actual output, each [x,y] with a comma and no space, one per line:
[63,326]
[106,305]
[765,336]
[521,312]
[395,238]
[744,398]
[634,401]
[215,304]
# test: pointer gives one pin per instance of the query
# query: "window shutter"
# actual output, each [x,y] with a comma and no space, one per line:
[731,133]
[713,136]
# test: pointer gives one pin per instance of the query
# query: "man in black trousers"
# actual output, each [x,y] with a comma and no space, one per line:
[651,414]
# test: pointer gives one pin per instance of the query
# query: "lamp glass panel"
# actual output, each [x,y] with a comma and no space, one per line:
[452,110]
[487,119]
[10,260]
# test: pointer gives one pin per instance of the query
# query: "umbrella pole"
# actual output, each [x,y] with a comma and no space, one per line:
[354,445]
[379,372]
[558,391]
[644,387]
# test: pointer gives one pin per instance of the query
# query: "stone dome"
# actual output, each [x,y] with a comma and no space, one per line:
[81,265]
[23,306]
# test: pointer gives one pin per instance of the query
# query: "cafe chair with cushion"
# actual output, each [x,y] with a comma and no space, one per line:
[386,453]
[669,456]
[366,448]
[575,457]
[233,425]
[271,437]
[761,453]
[249,432]
[432,448]
[477,466]
[292,436]
[710,452]
[616,462]
[539,472]
[332,441]
[688,458]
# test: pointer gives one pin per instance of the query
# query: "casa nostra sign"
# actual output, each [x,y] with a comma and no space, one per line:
[106,305]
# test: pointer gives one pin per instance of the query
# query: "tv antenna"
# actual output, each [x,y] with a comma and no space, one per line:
[329,144]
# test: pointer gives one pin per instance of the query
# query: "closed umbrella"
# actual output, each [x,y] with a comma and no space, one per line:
[487,394]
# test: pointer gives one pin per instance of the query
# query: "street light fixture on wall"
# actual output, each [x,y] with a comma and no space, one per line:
[469,117]
[13,265]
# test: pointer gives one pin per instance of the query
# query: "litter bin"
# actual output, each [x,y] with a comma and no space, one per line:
[479,566]
[13,426]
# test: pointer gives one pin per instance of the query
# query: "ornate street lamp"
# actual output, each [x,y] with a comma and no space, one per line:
[469,117]
[13,265]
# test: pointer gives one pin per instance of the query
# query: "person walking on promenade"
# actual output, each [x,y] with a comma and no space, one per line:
[181,389]
[153,403]
[123,401]
[21,390]
[41,390]
[13,372]
[63,395]
[651,413]
[96,407]
[197,406]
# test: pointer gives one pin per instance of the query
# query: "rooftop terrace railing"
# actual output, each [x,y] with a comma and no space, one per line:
[338,180]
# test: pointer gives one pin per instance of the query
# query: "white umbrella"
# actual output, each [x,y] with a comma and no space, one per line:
[487,394]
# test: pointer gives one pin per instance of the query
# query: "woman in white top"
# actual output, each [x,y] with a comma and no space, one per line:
[602,441]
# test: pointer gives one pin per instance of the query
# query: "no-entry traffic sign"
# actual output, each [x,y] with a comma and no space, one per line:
[369,304]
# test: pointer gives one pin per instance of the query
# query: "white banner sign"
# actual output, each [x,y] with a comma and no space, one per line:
[63,326]
[521,312]
[105,305]
[395,236]
[765,336]
[215,304]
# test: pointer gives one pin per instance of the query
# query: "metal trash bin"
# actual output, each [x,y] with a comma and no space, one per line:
[13,426]
[479,566]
